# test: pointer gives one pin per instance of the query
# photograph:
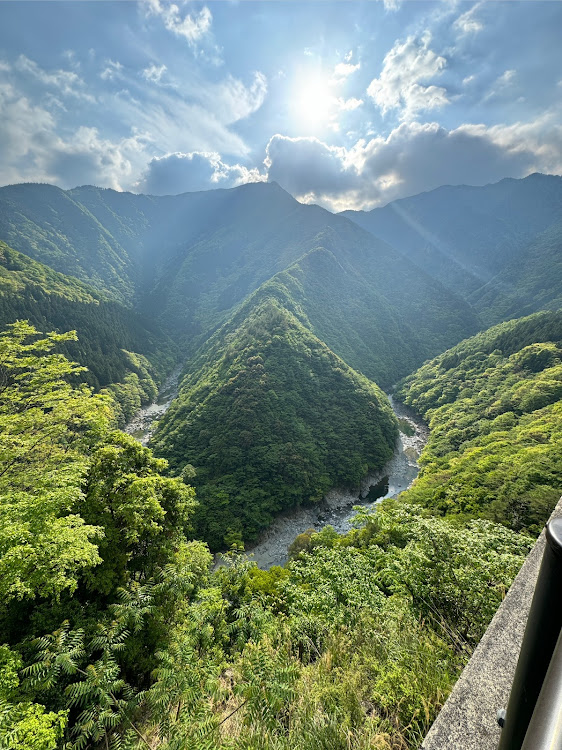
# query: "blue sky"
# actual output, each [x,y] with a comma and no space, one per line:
[346,104]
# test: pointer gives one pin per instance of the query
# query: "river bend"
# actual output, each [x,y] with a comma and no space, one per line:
[336,509]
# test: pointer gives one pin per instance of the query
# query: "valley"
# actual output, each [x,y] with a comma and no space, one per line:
[246,344]
[336,508]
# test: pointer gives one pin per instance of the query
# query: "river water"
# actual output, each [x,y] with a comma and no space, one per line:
[143,424]
[336,509]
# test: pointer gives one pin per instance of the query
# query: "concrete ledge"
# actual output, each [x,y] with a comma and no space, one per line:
[467,721]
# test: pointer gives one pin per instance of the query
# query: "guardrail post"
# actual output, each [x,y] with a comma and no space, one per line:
[545,728]
[541,634]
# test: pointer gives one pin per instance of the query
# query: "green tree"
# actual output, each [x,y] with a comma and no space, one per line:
[47,426]
[145,515]
[24,724]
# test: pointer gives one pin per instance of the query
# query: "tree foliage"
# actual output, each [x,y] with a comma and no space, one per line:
[271,418]
[47,426]
[493,404]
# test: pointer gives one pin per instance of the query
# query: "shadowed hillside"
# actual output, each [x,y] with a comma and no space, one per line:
[478,239]
[271,418]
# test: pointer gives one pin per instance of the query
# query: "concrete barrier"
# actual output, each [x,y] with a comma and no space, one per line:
[468,720]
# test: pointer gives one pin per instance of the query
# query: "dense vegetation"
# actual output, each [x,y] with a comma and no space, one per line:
[270,418]
[116,634]
[494,407]
[116,631]
[86,517]
[122,351]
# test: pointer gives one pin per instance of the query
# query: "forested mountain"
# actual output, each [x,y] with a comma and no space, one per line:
[188,261]
[494,407]
[116,344]
[45,223]
[531,281]
[115,630]
[474,239]
[271,418]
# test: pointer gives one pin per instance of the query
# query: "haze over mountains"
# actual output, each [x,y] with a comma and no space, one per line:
[287,322]
[189,260]
[251,270]
[496,246]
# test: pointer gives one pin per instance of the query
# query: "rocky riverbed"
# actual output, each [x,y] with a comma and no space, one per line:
[143,424]
[336,509]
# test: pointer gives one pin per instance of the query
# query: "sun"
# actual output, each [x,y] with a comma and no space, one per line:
[314,102]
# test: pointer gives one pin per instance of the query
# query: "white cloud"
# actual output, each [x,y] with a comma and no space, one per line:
[39,143]
[506,78]
[87,158]
[502,86]
[539,142]
[187,172]
[66,81]
[413,158]
[348,105]
[24,127]
[154,73]
[32,147]
[192,27]
[193,117]
[112,70]
[177,125]
[467,23]
[345,69]
[233,101]
[404,80]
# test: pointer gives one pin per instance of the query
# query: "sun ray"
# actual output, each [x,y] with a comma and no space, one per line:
[314,102]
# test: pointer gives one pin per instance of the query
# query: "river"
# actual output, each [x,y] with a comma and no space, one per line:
[143,424]
[336,509]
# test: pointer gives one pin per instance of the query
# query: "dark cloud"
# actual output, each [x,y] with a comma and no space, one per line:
[413,158]
[421,157]
[182,173]
[306,165]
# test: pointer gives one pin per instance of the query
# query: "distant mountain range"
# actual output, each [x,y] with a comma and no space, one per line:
[497,246]
[189,261]
[231,281]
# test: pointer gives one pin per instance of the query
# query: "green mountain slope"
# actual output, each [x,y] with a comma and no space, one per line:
[116,344]
[464,236]
[530,282]
[271,418]
[369,325]
[494,407]
[45,223]
[189,261]
[264,233]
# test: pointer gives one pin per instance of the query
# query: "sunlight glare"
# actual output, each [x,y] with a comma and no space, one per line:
[314,102]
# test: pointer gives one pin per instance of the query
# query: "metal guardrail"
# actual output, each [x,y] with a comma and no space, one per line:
[545,727]
[533,718]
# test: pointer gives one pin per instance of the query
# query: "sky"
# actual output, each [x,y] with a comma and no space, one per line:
[345,104]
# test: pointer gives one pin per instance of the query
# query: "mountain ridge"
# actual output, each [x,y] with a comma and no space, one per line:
[466,236]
